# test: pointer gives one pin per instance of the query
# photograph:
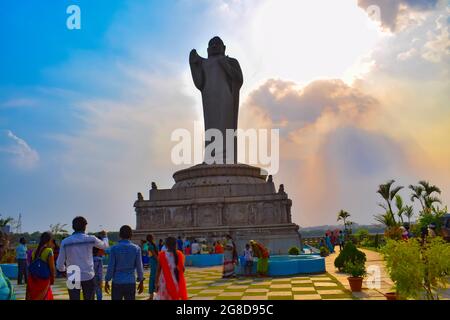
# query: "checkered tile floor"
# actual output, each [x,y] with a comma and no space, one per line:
[207,284]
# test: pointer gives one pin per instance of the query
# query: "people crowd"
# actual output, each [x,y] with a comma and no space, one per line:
[80,258]
[334,238]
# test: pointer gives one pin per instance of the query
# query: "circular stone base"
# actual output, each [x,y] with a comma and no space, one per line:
[218,174]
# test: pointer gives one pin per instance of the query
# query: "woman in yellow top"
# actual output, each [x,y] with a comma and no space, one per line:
[42,271]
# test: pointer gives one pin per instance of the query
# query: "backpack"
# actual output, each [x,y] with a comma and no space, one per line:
[39,268]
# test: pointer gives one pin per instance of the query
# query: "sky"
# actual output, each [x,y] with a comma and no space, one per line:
[359,90]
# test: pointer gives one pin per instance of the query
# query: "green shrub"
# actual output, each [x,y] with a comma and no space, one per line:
[9,257]
[428,217]
[418,271]
[324,251]
[294,251]
[349,254]
[357,269]
[367,243]
[376,241]
[362,234]
[393,233]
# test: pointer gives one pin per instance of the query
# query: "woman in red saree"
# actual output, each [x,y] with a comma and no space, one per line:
[170,281]
[37,288]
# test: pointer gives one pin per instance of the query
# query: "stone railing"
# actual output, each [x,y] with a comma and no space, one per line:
[311,241]
[375,239]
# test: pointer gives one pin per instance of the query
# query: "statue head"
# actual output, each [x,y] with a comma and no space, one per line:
[216,47]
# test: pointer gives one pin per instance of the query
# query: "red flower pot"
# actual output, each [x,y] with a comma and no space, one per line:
[355,283]
[391,295]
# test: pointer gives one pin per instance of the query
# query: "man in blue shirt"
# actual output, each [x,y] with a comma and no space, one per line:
[180,244]
[124,261]
[21,257]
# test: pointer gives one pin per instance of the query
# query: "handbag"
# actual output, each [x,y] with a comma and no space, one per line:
[39,268]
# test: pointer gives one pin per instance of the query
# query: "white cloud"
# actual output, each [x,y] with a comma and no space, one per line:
[23,155]
[405,55]
[336,147]
[125,144]
[398,15]
[437,48]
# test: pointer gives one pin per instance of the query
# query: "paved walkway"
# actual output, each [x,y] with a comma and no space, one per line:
[207,284]
[374,260]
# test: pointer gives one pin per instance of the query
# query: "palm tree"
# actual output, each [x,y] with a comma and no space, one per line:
[5,221]
[417,194]
[428,197]
[424,193]
[388,195]
[429,189]
[386,219]
[429,202]
[343,215]
[400,207]
[409,213]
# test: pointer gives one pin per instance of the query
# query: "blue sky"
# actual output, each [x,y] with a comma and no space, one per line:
[86,115]
[46,69]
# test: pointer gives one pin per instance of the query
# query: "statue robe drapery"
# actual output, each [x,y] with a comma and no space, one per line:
[219,78]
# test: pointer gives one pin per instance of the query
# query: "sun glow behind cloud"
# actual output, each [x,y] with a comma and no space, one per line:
[306,40]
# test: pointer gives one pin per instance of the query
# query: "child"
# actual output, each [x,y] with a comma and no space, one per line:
[187,250]
[145,253]
[98,268]
[248,256]
[341,240]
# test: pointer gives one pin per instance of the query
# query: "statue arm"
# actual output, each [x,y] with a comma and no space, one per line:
[233,69]
[195,62]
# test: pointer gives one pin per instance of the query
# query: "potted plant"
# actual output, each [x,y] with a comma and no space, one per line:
[392,295]
[349,254]
[357,272]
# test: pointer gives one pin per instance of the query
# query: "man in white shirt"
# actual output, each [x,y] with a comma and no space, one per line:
[76,250]
[195,247]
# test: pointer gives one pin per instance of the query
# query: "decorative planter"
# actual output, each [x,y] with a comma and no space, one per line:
[355,283]
[391,295]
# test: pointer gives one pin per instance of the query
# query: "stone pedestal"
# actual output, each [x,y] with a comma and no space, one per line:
[210,201]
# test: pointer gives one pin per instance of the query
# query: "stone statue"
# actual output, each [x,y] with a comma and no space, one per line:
[140,197]
[281,189]
[154,187]
[219,78]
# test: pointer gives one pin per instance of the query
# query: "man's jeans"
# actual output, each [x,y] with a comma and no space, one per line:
[22,270]
[123,291]
[98,288]
[88,288]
